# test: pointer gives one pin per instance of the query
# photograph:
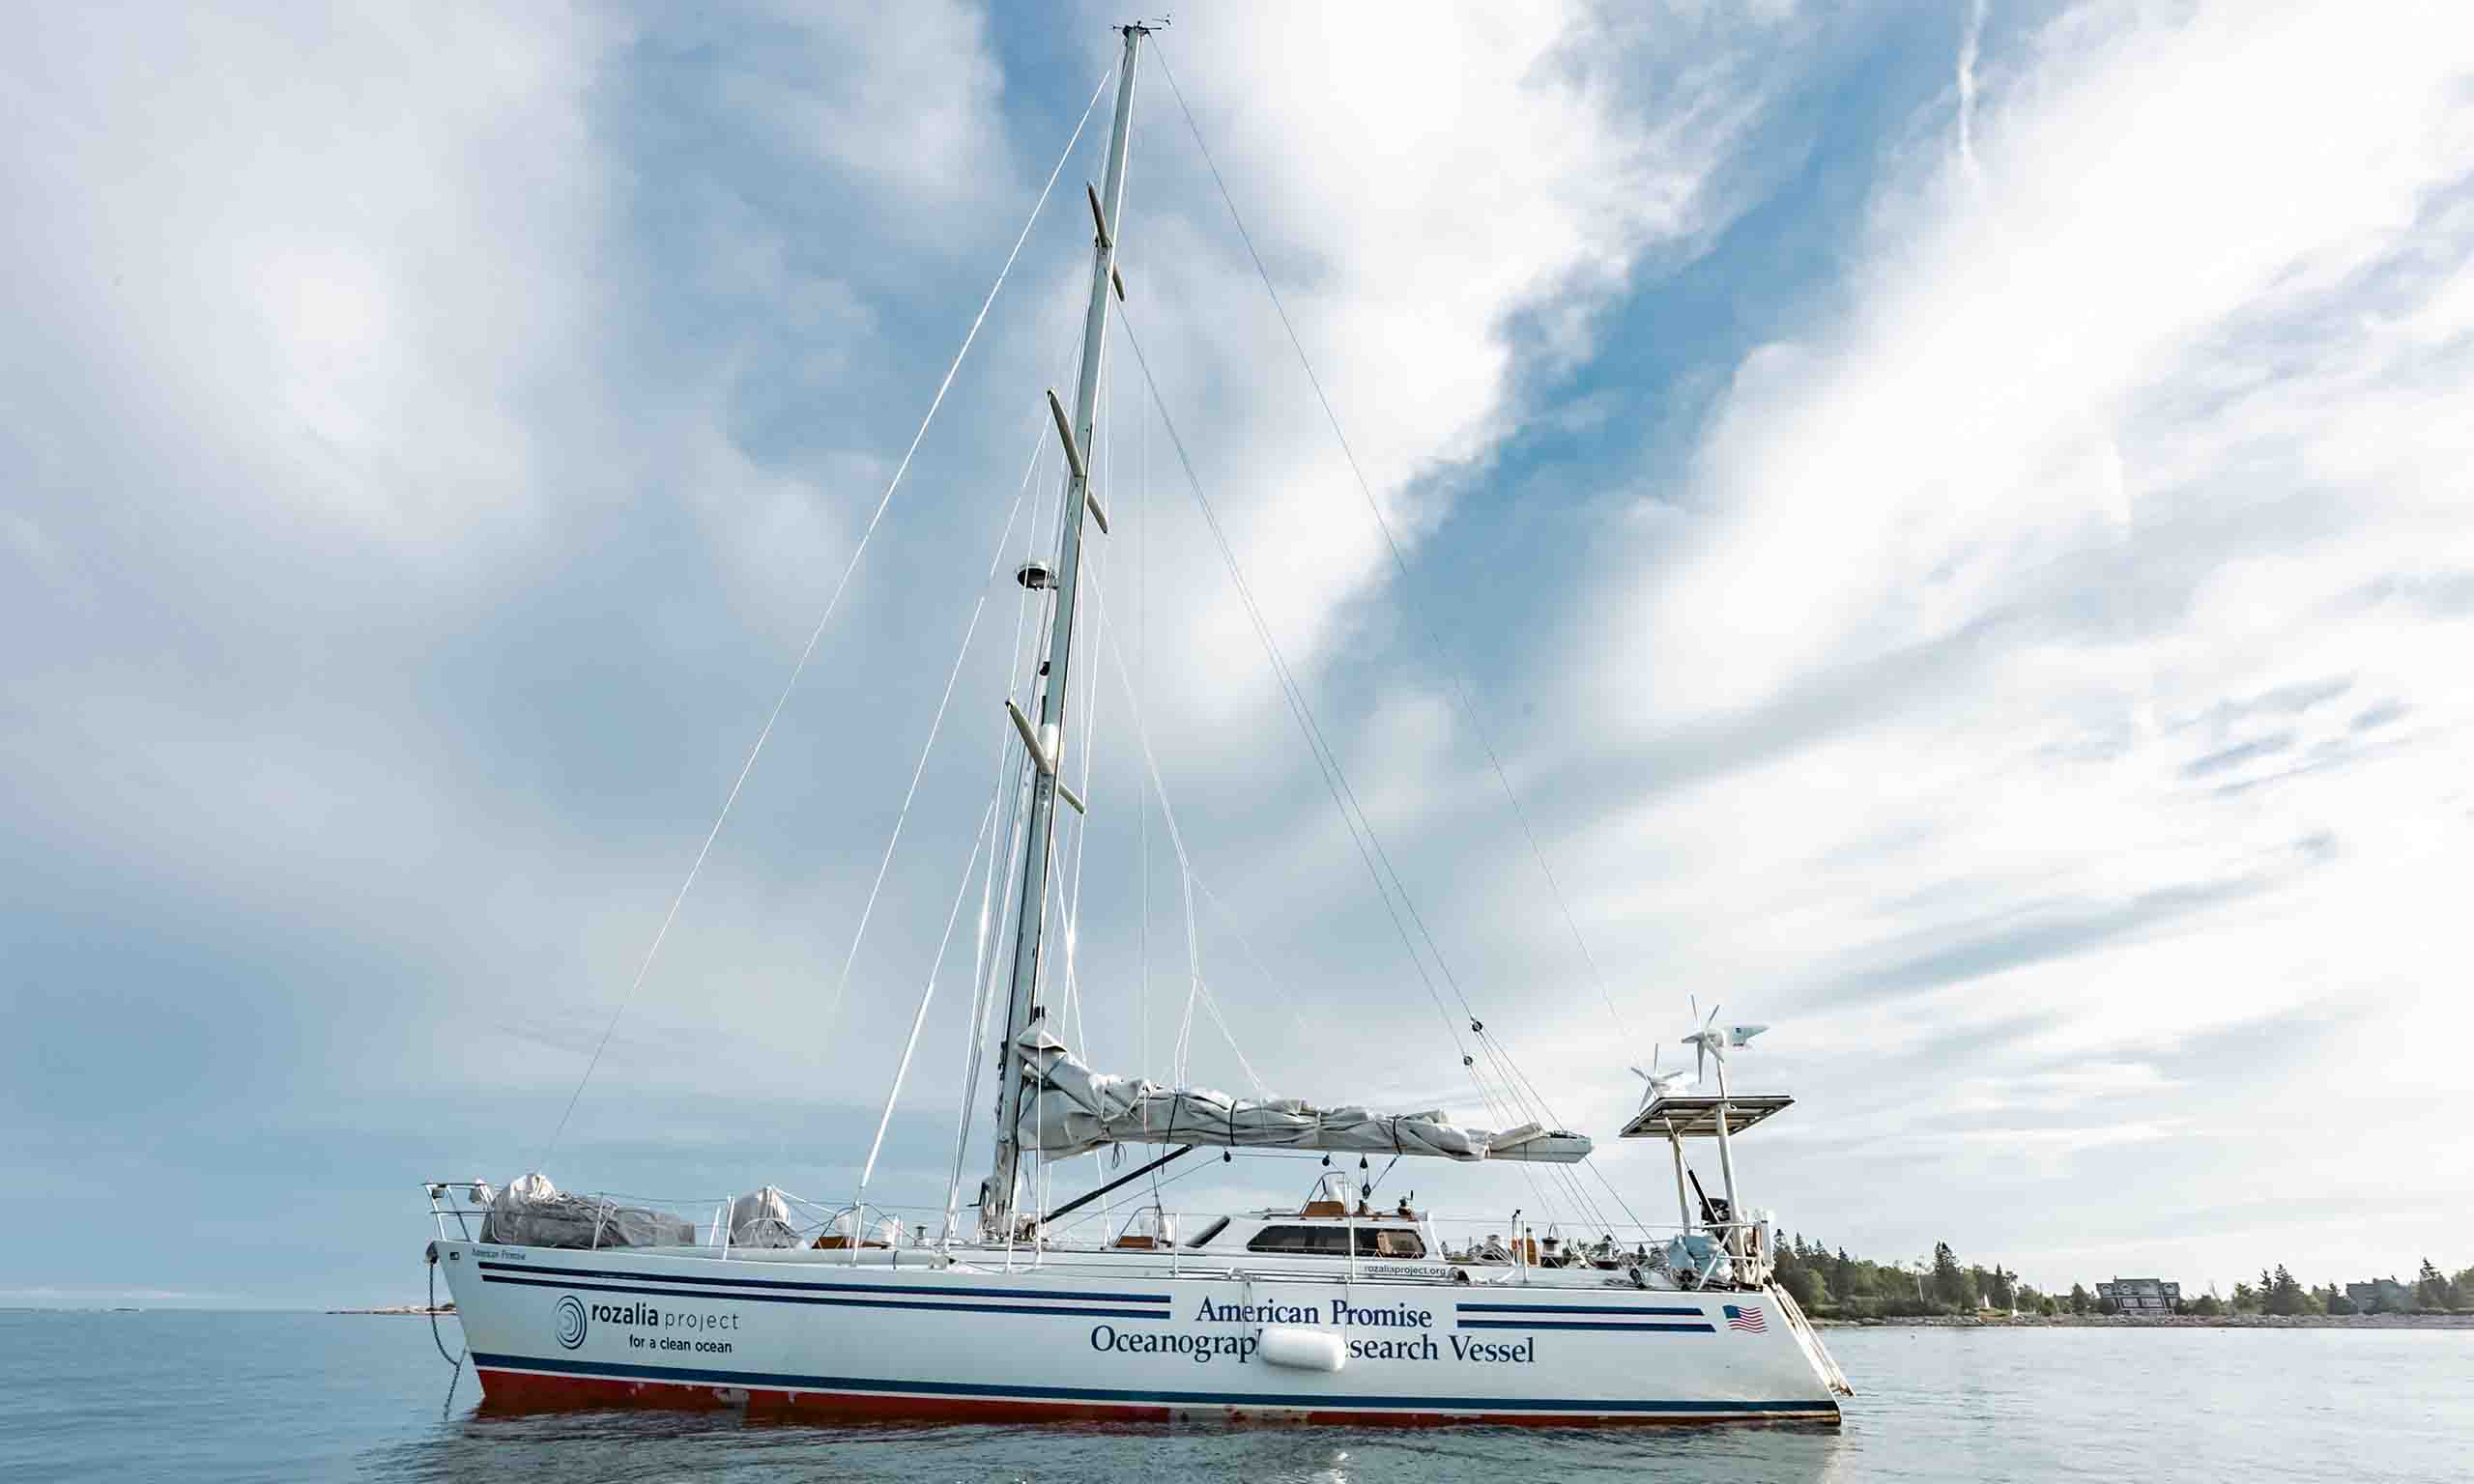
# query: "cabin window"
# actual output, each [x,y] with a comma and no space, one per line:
[1389,1244]
[1334,1242]
[1209,1232]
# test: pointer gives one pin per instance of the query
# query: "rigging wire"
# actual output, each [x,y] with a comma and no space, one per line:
[1211,1004]
[1143,675]
[919,770]
[832,604]
[1344,797]
[984,970]
[1229,916]
[1176,837]
[1325,763]
[1399,562]
[981,985]
[1451,668]
[927,992]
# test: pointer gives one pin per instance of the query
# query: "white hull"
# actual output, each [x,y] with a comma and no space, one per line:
[1114,1335]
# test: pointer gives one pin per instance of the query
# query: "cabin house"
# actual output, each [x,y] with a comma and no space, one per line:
[2381,1296]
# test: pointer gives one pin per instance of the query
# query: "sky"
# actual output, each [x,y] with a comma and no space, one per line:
[1950,521]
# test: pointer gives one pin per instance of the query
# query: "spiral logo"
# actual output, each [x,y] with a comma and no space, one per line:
[570,1321]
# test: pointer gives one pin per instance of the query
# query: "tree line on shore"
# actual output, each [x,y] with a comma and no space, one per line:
[1834,1285]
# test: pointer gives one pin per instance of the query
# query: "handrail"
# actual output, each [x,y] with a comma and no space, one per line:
[1808,1340]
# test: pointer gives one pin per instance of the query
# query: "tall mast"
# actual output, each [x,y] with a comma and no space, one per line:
[1047,740]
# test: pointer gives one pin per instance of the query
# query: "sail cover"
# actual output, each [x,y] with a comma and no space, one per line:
[1070,1109]
[532,1213]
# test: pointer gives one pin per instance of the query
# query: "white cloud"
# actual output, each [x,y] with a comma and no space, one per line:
[2080,607]
[1970,45]
[2142,197]
[1473,189]
[337,377]
[912,108]
[329,266]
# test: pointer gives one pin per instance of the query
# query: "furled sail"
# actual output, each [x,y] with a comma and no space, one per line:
[1070,1109]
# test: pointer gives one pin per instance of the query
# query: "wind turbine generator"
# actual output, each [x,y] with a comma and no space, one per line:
[1660,1083]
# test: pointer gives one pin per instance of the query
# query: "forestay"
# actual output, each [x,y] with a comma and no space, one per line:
[1072,1110]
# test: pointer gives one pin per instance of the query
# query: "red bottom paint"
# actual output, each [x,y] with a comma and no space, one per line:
[527,1391]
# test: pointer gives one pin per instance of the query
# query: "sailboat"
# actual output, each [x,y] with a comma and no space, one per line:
[1332,1309]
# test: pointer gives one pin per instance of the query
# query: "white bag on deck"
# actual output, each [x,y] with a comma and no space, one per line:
[532,1213]
[762,1218]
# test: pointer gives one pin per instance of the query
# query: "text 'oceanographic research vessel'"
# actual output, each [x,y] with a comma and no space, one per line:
[1339,1307]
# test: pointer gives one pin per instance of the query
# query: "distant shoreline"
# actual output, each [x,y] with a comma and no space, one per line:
[400,1308]
[2160,1322]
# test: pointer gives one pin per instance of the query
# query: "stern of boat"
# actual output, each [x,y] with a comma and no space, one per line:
[1808,1340]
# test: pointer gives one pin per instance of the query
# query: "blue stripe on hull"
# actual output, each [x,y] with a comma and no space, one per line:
[849,1303]
[1580,1324]
[1308,1401]
[1689,1311]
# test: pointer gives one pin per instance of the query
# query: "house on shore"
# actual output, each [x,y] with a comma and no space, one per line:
[2142,1295]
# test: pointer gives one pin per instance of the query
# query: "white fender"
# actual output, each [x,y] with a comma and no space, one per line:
[1304,1350]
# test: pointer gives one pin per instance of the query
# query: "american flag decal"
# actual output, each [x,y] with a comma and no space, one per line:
[1745,1317]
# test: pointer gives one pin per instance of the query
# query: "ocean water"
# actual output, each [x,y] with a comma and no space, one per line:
[204,1396]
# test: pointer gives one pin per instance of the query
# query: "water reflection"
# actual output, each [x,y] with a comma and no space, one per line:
[730,1446]
[210,1396]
